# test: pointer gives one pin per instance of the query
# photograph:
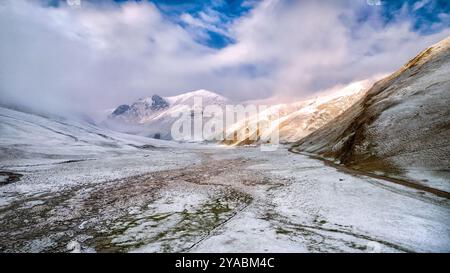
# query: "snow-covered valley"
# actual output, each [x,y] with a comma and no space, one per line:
[70,186]
[224,127]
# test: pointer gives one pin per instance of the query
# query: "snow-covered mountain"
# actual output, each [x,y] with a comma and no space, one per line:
[153,116]
[297,120]
[400,128]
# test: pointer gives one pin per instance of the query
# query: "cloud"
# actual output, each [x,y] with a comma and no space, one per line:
[311,46]
[92,57]
[99,56]
[420,4]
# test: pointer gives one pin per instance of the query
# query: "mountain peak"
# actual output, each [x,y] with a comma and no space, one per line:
[154,103]
[208,96]
[203,92]
[200,93]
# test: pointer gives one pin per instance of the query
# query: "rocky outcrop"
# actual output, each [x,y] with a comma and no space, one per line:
[158,103]
[121,110]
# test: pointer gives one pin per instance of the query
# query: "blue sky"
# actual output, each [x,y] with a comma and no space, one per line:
[106,52]
[422,13]
[224,11]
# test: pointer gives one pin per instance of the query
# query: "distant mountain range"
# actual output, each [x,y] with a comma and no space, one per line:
[153,116]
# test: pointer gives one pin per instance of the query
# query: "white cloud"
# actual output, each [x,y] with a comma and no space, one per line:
[420,4]
[312,47]
[96,57]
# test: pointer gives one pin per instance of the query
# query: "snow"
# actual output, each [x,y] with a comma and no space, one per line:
[400,127]
[54,154]
[297,120]
[415,140]
[146,122]
[102,194]
[373,210]
[187,98]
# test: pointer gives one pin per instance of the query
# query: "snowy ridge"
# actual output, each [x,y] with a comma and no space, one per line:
[297,120]
[207,96]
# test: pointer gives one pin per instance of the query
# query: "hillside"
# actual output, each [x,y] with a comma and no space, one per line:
[400,128]
[29,138]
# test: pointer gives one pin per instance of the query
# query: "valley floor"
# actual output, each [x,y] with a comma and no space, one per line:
[212,199]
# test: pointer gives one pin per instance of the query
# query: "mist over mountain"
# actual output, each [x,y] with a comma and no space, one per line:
[154,116]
